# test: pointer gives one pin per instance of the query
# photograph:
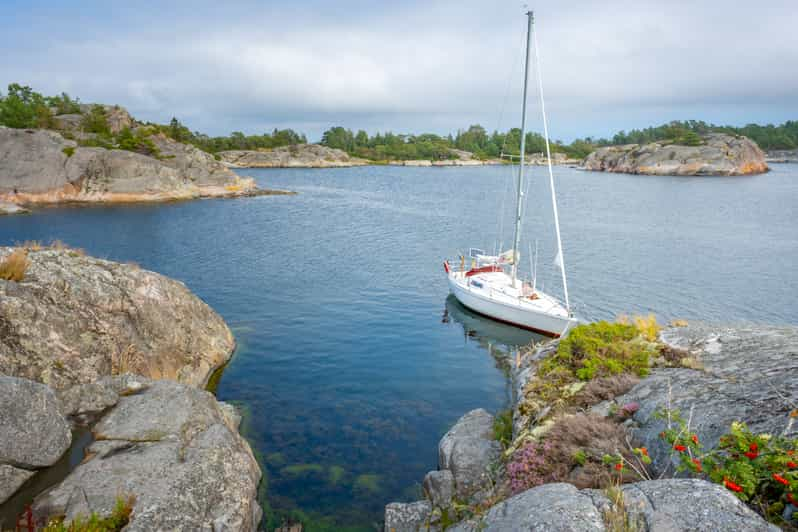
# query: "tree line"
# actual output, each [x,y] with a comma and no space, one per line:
[22,107]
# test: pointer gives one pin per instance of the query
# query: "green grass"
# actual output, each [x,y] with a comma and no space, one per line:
[503,427]
[119,518]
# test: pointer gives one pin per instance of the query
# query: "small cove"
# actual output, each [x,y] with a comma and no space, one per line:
[351,359]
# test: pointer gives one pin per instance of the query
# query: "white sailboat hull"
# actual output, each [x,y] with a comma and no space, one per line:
[544,315]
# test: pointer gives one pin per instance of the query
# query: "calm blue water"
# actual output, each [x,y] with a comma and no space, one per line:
[352,362]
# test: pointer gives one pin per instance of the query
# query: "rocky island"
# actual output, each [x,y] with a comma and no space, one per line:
[126,161]
[713,154]
[121,354]
[292,156]
[613,449]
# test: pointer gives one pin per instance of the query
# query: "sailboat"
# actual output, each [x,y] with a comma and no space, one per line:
[491,286]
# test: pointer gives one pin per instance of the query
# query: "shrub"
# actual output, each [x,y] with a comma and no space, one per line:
[13,266]
[136,142]
[760,469]
[69,151]
[96,121]
[503,427]
[572,450]
[529,467]
[605,388]
[601,349]
[119,518]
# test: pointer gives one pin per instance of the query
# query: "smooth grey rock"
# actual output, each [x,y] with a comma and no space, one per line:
[171,447]
[689,504]
[552,507]
[74,319]
[750,374]
[295,156]
[439,488]
[468,450]
[33,433]
[11,479]
[407,517]
[720,155]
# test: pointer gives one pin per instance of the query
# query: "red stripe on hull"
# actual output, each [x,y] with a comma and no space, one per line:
[484,269]
[525,327]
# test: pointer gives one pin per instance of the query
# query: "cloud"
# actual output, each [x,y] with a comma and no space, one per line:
[414,66]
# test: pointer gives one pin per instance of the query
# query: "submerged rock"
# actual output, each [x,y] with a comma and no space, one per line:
[173,449]
[721,154]
[7,207]
[74,319]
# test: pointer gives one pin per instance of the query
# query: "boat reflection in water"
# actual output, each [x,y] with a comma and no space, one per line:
[489,333]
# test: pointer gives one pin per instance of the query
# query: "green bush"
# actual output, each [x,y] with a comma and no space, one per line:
[503,427]
[69,151]
[601,349]
[136,142]
[96,121]
[119,518]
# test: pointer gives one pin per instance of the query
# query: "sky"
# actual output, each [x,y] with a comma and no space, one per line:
[414,66]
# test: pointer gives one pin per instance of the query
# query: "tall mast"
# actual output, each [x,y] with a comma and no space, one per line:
[520,191]
[560,259]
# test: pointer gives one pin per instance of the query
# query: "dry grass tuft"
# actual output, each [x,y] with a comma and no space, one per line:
[57,245]
[12,268]
[31,245]
[605,388]
[679,323]
[590,437]
[646,325]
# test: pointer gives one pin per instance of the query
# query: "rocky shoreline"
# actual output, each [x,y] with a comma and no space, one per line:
[782,156]
[89,344]
[318,156]
[724,375]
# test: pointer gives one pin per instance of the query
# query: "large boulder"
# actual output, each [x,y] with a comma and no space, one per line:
[551,507]
[468,450]
[439,488]
[407,517]
[174,450]
[41,166]
[655,505]
[33,432]
[74,319]
[748,374]
[294,156]
[688,504]
[720,154]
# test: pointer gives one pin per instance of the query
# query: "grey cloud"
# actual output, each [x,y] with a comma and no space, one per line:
[433,66]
